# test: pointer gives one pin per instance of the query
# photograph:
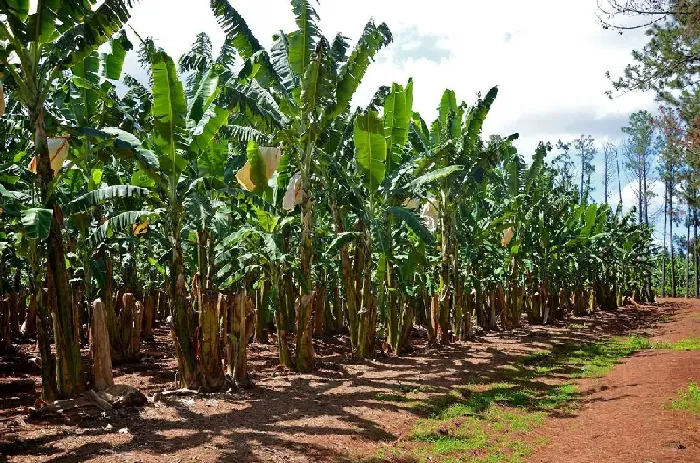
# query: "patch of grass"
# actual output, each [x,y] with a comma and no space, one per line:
[683,344]
[577,326]
[688,399]
[583,360]
[536,357]
[389,397]
[492,422]
[407,388]
[489,423]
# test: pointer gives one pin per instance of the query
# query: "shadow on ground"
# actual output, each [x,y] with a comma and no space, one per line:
[321,417]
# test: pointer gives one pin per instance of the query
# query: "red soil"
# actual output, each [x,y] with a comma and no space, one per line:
[624,417]
[334,414]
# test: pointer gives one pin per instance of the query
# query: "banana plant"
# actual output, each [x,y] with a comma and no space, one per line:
[180,138]
[35,48]
[299,88]
[459,160]
[386,167]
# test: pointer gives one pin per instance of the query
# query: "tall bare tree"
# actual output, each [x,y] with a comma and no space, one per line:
[609,160]
[670,169]
[639,153]
[585,151]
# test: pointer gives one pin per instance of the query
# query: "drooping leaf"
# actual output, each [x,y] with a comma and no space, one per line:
[208,129]
[84,29]
[204,95]
[340,240]
[317,81]
[99,196]
[37,222]
[266,220]
[476,118]
[199,211]
[121,221]
[591,215]
[373,39]
[280,62]
[238,32]
[169,109]
[255,99]
[413,222]
[434,175]
[113,62]
[302,42]
[396,122]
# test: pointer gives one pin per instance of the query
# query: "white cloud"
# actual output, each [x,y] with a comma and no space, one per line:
[547,56]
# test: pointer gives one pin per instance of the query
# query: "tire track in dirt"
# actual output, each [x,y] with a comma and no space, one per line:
[623,417]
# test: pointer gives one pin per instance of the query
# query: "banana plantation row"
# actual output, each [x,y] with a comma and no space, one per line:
[238,194]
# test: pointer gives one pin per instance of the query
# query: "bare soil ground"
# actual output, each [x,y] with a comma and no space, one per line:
[625,416]
[337,413]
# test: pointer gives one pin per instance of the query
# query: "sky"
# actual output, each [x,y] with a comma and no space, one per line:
[548,57]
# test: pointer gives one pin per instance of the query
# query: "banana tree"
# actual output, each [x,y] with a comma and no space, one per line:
[35,48]
[24,227]
[180,137]
[386,168]
[457,154]
[300,87]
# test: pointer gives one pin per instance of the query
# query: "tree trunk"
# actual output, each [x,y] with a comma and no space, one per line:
[305,361]
[695,250]
[241,334]
[109,299]
[100,348]
[433,318]
[687,255]
[70,379]
[493,310]
[230,331]
[282,323]
[544,302]
[445,276]
[261,296]
[663,254]
[213,379]
[349,284]
[641,201]
[5,329]
[29,326]
[338,309]
[135,341]
[49,389]
[149,315]
[129,325]
[202,258]
[319,311]
[182,325]
[670,223]
[13,313]
[619,182]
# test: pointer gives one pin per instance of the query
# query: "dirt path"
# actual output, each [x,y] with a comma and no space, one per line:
[624,418]
[339,413]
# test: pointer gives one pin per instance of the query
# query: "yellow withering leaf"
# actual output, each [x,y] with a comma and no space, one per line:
[140,229]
